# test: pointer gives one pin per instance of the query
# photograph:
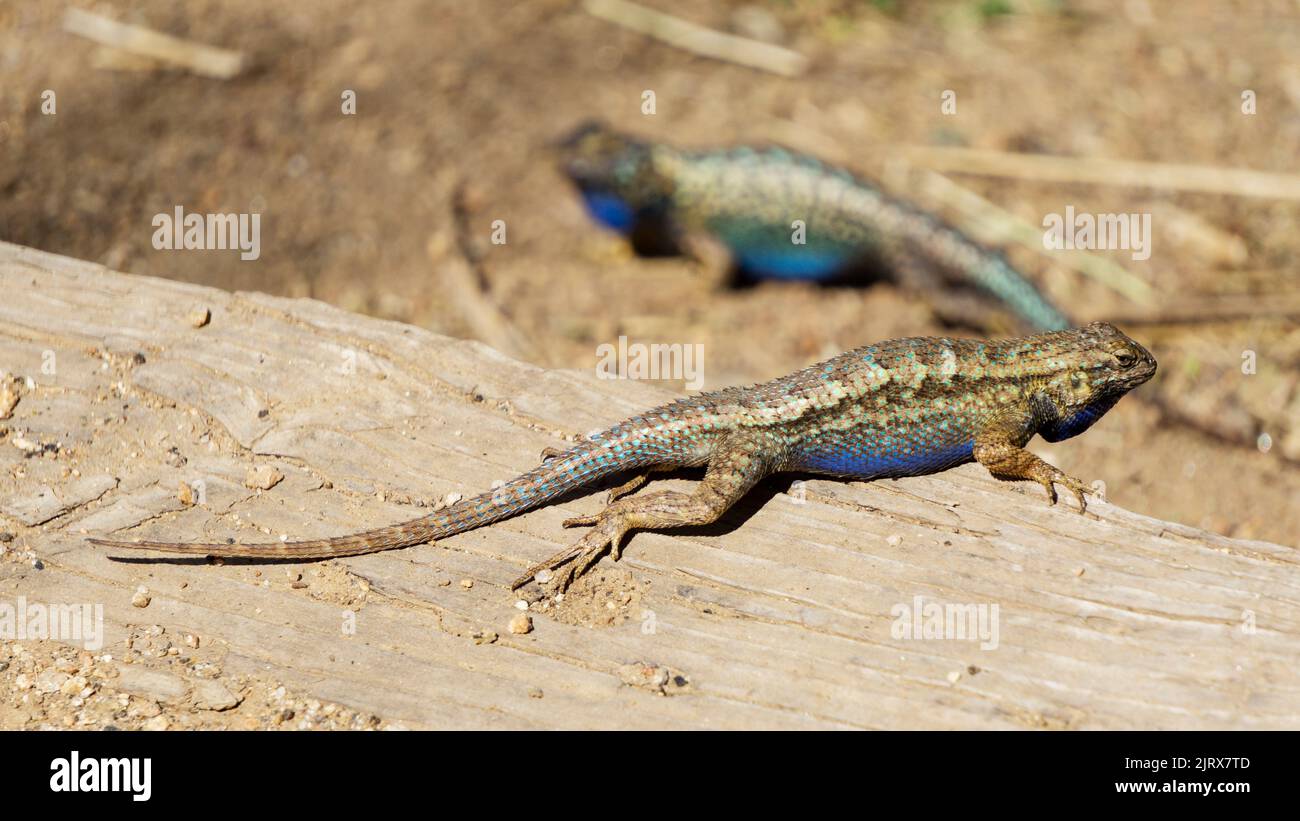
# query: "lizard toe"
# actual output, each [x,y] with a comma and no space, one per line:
[1051,492]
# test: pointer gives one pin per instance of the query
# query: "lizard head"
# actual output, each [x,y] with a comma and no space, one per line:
[594,155]
[1104,366]
[616,174]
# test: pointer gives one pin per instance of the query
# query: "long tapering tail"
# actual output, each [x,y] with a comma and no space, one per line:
[990,271]
[575,468]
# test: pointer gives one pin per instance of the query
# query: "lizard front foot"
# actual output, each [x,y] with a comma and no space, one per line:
[1056,477]
[1009,461]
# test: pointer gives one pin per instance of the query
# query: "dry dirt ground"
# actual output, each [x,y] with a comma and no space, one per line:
[358,210]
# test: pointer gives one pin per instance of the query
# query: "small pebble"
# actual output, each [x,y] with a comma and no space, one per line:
[213,695]
[73,685]
[141,597]
[467,583]
[198,317]
[521,624]
[8,399]
[51,681]
[263,477]
[157,724]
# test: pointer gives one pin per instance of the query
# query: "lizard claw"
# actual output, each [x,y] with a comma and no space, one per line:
[1077,487]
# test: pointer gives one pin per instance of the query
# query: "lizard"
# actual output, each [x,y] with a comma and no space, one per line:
[743,202]
[901,407]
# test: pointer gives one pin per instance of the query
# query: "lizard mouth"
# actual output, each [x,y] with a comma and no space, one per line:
[1145,367]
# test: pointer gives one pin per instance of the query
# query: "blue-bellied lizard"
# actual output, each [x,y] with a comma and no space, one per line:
[785,215]
[904,407]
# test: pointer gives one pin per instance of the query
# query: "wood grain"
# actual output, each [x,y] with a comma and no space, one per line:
[779,617]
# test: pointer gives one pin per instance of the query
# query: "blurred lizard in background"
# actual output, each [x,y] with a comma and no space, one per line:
[782,215]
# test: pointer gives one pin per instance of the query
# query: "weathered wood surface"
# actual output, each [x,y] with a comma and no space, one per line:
[781,617]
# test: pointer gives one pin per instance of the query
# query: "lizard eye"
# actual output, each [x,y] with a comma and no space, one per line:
[1126,358]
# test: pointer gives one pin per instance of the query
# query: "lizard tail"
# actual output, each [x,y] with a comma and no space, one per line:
[575,468]
[986,268]
[996,276]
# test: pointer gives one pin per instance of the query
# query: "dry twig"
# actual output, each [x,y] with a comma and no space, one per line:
[208,61]
[698,39]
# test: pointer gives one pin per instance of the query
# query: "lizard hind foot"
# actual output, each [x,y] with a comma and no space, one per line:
[578,559]
[630,486]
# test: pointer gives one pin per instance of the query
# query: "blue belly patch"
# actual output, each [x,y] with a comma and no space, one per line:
[794,262]
[610,210]
[860,465]
[1076,423]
